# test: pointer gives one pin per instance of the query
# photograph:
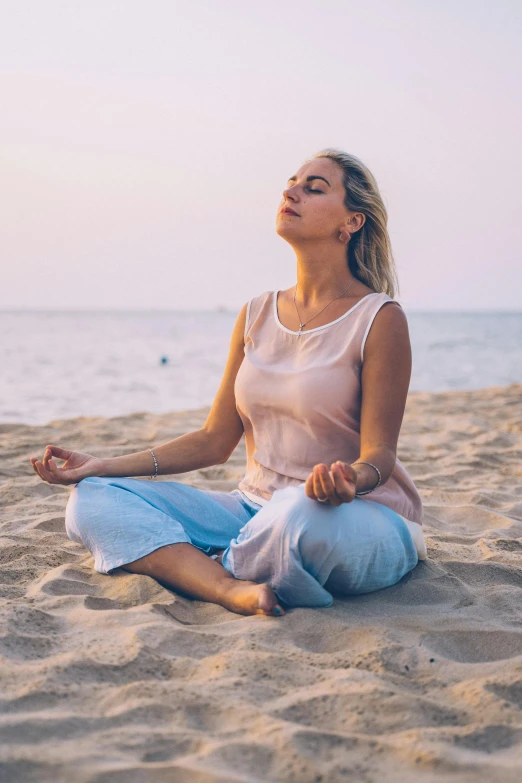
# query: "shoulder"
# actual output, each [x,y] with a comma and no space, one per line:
[257,304]
[248,312]
[392,310]
[259,299]
[256,301]
[387,329]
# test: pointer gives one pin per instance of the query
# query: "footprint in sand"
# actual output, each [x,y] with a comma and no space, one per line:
[475,646]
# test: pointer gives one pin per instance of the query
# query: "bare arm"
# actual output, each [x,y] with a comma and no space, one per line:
[211,445]
[385,380]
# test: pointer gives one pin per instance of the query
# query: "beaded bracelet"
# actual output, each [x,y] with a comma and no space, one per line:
[367,491]
[155,465]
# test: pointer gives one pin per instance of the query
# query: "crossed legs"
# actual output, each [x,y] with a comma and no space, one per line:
[187,569]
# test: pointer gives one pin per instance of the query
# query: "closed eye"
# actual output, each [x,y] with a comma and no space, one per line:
[315,191]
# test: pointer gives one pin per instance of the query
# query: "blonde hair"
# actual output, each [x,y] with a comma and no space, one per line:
[369,252]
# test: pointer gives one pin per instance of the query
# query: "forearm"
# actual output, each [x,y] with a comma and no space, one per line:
[382,458]
[192,451]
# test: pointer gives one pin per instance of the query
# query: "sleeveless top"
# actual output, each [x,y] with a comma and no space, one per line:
[299,398]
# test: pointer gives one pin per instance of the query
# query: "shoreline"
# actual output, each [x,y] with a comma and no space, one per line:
[204,409]
[128,679]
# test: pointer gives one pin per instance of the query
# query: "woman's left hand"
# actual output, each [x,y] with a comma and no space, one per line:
[334,486]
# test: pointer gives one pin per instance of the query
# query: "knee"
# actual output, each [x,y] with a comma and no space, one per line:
[301,513]
[301,524]
[78,511]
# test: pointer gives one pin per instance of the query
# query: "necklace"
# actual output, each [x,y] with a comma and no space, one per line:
[320,311]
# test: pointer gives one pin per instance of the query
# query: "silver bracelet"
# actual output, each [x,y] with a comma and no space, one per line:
[367,491]
[155,465]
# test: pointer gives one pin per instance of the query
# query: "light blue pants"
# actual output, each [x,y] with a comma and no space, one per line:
[300,547]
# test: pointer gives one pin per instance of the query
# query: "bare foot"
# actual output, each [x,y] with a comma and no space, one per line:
[250,598]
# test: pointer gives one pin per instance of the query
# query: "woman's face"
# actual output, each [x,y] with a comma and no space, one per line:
[316,195]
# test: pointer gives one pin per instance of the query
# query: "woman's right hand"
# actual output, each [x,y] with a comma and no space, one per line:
[76,467]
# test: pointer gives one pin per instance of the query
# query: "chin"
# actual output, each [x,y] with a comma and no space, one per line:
[285,230]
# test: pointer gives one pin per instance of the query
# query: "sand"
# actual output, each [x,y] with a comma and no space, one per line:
[118,679]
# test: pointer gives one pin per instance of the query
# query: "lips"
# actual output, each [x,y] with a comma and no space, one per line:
[288,211]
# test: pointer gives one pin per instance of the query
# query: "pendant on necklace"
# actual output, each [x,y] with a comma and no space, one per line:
[300,332]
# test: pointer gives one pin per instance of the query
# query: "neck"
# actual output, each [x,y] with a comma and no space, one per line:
[322,273]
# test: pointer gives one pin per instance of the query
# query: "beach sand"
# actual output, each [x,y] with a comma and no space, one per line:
[118,679]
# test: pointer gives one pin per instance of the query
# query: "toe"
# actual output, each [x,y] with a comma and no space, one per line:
[268,605]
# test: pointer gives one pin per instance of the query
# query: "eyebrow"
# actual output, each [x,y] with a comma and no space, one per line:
[309,179]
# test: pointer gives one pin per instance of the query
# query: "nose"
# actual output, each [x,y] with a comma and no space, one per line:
[289,193]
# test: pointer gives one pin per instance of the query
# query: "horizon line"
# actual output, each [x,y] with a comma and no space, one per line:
[224,310]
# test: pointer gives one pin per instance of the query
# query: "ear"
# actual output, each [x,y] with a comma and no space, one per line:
[352,224]
[357,221]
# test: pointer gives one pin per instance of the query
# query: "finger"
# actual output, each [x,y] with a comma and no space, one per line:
[53,468]
[57,451]
[318,485]
[44,474]
[35,466]
[62,476]
[48,454]
[348,472]
[37,469]
[50,464]
[32,460]
[55,475]
[328,487]
[343,488]
[309,487]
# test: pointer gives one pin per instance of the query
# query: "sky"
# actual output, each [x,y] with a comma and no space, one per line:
[145,145]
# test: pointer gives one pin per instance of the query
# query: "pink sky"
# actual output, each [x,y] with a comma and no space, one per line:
[144,145]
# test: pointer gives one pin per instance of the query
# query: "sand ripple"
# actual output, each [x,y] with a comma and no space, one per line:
[118,680]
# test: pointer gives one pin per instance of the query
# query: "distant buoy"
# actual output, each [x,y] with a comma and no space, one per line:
[164,359]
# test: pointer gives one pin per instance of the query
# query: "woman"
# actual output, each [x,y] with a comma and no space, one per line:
[317,379]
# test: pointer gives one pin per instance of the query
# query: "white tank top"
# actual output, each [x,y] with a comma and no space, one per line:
[299,398]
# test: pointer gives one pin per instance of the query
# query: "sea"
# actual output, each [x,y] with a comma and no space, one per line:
[57,365]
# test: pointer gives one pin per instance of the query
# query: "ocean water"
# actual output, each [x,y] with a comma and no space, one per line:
[57,365]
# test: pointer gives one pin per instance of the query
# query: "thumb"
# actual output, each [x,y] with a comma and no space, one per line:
[348,471]
[69,474]
[56,451]
[76,474]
